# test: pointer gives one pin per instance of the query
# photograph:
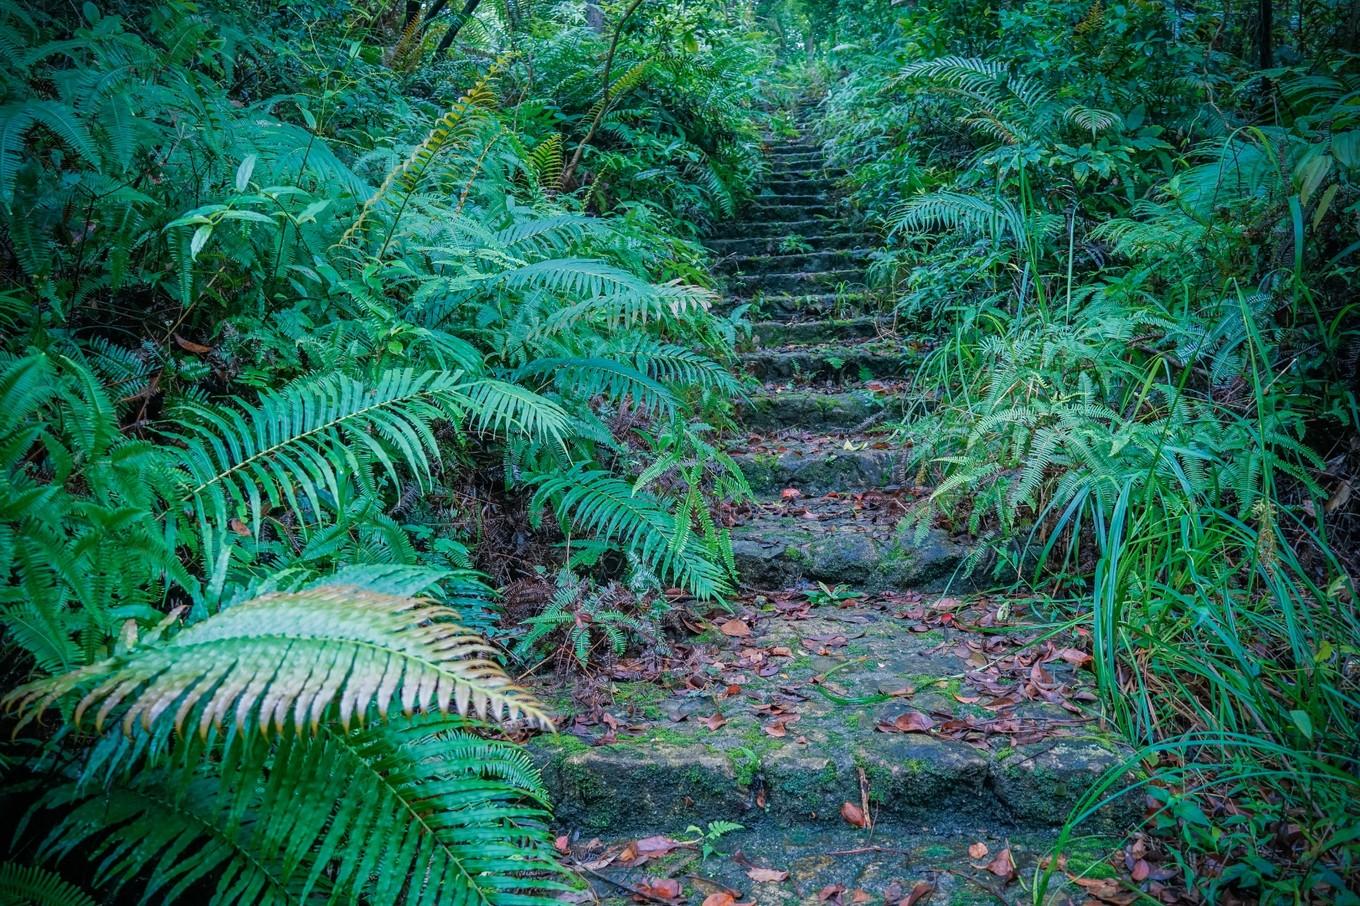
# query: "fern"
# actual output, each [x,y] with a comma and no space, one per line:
[24,885]
[602,505]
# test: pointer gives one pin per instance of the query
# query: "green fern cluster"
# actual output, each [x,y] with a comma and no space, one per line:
[280,312]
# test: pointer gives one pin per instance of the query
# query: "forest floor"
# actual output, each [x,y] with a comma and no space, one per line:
[877,739]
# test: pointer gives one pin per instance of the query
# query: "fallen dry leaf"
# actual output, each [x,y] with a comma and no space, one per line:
[191,346]
[660,888]
[720,899]
[790,493]
[716,722]
[763,875]
[919,894]
[562,844]
[1003,866]
[978,850]
[913,722]
[854,815]
[735,628]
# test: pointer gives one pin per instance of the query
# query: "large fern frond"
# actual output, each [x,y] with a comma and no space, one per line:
[294,659]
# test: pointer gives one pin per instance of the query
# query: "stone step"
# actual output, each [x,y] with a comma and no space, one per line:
[826,239]
[857,362]
[817,463]
[784,213]
[884,865]
[805,164]
[764,228]
[827,175]
[795,262]
[847,538]
[787,148]
[780,199]
[795,185]
[782,306]
[801,698]
[776,407]
[833,330]
[796,282]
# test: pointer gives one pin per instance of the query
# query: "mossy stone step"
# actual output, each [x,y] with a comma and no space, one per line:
[806,226]
[886,864]
[796,185]
[804,199]
[779,306]
[781,545]
[831,330]
[796,261]
[776,211]
[816,464]
[796,281]
[790,243]
[815,409]
[828,363]
[675,770]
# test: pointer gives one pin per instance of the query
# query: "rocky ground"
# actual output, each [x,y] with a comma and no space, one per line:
[877,739]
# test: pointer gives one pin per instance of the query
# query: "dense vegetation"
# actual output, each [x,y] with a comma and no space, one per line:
[329,328]
[1134,235]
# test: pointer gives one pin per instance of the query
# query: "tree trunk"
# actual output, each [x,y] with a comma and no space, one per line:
[1265,33]
[446,42]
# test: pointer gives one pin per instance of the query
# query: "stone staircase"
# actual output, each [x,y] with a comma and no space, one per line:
[934,713]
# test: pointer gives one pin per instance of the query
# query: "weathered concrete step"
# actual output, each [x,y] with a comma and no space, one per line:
[795,185]
[795,262]
[821,410]
[774,245]
[804,199]
[831,330]
[843,304]
[806,226]
[796,282]
[856,362]
[817,463]
[786,213]
[831,539]
[884,865]
[801,701]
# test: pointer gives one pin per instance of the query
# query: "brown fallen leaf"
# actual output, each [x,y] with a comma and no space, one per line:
[910,722]
[860,896]
[1003,866]
[978,850]
[562,844]
[854,815]
[656,845]
[764,875]
[721,898]
[716,722]
[1141,870]
[919,894]
[1074,656]
[660,888]
[829,891]
[735,628]
[240,528]
[790,494]
[191,346]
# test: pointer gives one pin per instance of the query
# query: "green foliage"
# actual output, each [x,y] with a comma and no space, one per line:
[1139,278]
[589,625]
[295,308]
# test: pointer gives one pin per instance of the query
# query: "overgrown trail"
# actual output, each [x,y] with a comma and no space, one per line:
[866,737]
